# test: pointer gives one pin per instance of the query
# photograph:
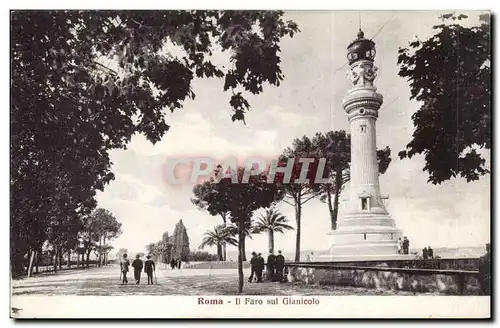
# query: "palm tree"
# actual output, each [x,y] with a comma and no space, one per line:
[273,221]
[248,230]
[219,237]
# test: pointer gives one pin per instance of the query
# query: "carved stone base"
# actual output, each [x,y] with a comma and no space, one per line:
[365,235]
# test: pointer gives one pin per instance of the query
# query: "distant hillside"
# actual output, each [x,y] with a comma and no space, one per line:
[443,252]
[290,256]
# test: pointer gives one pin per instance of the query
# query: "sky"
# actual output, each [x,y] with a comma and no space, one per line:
[455,213]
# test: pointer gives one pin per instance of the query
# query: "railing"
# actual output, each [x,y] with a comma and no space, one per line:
[374,268]
[459,275]
[437,263]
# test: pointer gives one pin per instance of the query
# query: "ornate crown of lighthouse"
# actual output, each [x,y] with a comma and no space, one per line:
[366,231]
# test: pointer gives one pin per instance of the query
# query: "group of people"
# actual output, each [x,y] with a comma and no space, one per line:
[403,245]
[427,253]
[275,267]
[138,265]
[175,263]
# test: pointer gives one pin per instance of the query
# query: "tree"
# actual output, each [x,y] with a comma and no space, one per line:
[199,192]
[297,194]
[248,230]
[180,242]
[199,256]
[273,221]
[164,247]
[336,147]
[218,237]
[450,75]
[120,253]
[225,192]
[99,228]
[68,110]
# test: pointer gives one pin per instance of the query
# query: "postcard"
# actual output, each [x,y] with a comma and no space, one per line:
[250,164]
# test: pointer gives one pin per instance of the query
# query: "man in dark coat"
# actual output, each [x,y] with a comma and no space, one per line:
[149,267]
[406,245]
[425,254]
[253,266]
[271,263]
[137,265]
[280,266]
[430,252]
[124,264]
[485,271]
[173,263]
[260,267]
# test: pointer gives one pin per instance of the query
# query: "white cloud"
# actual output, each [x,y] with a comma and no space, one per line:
[308,101]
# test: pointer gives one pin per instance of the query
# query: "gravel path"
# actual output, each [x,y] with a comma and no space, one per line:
[105,282]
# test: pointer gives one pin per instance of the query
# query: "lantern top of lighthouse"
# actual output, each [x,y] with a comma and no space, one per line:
[361,49]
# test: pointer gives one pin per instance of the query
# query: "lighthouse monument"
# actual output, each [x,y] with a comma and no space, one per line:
[366,231]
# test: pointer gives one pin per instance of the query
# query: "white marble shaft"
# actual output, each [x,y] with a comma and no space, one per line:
[366,229]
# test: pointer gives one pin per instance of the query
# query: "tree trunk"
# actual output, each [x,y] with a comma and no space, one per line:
[271,241]
[338,187]
[55,259]
[77,259]
[37,259]
[69,258]
[104,257]
[88,257]
[224,254]
[330,207]
[30,266]
[60,259]
[241,237]
[243,252]
[298,213]
[99,258]
[219,252]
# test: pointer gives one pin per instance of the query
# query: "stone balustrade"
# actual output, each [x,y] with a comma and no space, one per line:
[446,282]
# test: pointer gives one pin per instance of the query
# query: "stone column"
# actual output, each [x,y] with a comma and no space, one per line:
[366,230]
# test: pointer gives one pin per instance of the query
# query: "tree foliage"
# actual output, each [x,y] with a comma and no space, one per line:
[298,194]
[272,221]
[68,109]
[98,229]
[180,242]
[227,191]
[450,75]
[218,237]
[201,256]
[335,146]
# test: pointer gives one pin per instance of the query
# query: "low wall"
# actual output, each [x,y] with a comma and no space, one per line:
[468,264]
[446,282]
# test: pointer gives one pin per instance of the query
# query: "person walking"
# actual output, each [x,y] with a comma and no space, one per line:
[124,264]
[271,263]
[149,268]
[253,266]
[260,267]
[485,271]
[173,263]
[137,265]
[280,266]
[400,246]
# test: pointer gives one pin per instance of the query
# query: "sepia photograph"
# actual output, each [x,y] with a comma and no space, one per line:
[250,164]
